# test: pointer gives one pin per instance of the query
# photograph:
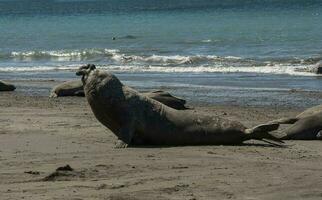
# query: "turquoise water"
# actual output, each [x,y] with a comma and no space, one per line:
[208,34]
[265,38]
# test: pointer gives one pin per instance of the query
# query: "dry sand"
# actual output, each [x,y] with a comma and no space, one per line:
[38,135]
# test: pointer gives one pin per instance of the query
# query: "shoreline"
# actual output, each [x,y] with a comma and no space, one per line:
[202,90]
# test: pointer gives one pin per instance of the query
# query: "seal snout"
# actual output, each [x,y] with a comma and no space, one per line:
[79,73]
[85,69]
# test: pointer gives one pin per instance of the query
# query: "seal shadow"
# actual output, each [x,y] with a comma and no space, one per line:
[269,144]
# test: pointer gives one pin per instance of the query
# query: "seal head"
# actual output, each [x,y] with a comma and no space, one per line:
[84,71]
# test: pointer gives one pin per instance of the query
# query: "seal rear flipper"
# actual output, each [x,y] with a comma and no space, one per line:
[264,128]
[261,132]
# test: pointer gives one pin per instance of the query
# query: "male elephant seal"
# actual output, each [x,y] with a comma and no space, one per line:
[137,119]
[306,125]
[6,86]
[68,88]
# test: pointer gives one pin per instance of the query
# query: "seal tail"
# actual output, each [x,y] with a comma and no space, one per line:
[261,132]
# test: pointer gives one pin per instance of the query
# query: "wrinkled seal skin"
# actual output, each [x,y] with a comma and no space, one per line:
[305,126]
[137,119]
[6,86]
[68,88]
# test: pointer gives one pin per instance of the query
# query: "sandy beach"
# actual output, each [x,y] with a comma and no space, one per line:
[39,134]
[250,61]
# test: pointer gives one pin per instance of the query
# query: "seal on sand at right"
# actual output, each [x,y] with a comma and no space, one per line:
[305,126]
[139,120]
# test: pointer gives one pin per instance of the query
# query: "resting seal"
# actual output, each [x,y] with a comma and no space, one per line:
[68,88]
[306,125]
[75,88]
[318,68]
[167,99]
[6,86]
[137,119]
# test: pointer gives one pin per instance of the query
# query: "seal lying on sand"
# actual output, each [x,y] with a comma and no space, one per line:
[75,88]
[6,86]
[68,88]
[167,99]
[137,119]
[306,125]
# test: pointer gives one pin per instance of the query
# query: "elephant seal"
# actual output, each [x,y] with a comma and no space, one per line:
[306,125]
[137,119]
[6,86]
[75,88]
[68,88]
[167,99]
[318,68]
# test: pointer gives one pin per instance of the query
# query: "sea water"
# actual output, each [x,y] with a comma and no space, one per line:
[227,49]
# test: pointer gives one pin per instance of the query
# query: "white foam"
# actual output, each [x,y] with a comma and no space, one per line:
[206,41]
[37,68]
[276,69]
[62,53]
[174,59]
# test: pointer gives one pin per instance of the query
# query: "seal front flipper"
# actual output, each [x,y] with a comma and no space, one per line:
[119,144]
[319,135]
[125,136]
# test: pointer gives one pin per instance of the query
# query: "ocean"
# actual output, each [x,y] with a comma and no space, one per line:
[232,51]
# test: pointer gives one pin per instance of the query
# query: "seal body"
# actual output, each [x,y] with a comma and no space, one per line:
[6,86]
[305,126]
[167,99]
[318,68]
[75,88]
[137,119]
[68,88]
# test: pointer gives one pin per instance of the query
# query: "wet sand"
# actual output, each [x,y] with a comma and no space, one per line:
[38,135]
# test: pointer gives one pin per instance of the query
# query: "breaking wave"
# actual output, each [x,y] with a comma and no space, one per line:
[112,55]
[277,69]
[115,60]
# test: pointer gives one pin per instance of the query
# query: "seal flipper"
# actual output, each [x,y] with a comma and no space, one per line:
[319,135]
[125,136]
[261,132]
[53,95]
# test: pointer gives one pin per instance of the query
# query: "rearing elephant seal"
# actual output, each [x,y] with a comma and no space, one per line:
[137,119]
[306,125]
